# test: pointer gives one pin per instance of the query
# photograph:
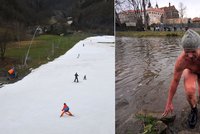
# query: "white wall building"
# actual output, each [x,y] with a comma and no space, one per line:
[155,15]
[129,17]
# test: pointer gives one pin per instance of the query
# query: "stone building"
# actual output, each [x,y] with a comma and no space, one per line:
[196,20]
[170,12]
[155,15]
[128,18]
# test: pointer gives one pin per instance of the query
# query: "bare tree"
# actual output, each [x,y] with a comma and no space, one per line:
[182,9]
[139,7]
[145,13]
[4,39]
[119,5]
[118,8]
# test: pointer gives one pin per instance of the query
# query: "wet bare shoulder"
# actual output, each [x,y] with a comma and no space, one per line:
[180,62]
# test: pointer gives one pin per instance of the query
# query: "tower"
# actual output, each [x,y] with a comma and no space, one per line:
[156,4]
[149,4]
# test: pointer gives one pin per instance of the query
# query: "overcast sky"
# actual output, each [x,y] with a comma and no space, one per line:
[193,6]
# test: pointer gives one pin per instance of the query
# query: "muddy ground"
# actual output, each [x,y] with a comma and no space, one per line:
[5,65]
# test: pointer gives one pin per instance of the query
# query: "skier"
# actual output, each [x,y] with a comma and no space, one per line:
[76,78]
[84,78]
[66,110]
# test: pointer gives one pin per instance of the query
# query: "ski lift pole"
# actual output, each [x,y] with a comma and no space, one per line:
[30,46]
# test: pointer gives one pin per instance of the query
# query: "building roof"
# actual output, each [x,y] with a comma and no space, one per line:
[156,10]
[129,11]
[133,11]
[149,9]
[196,19]
[169,8]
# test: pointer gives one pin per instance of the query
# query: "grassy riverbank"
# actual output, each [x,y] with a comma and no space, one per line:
[149,33]
[44,48]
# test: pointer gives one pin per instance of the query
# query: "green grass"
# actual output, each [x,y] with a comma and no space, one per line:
[149,124]
[149,33]
[43,49]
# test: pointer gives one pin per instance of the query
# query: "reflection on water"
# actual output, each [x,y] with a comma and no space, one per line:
[144,67]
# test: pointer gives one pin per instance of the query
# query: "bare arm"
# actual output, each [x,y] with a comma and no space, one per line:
[178,70]
[174,84]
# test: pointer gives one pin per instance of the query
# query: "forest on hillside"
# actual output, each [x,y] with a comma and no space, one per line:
[94,15]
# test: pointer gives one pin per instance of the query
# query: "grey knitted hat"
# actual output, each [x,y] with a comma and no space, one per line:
[190,40]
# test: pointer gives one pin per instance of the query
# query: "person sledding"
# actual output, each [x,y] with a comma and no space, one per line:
[65,110]
[12,73]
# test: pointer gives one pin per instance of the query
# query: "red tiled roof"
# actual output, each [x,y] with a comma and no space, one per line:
[168,8]
[134,11]
[149,9]
[129,11]
[161,10]
[155,10]
[196,19]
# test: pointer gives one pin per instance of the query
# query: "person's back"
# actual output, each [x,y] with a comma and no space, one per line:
[12,73]
[65,106]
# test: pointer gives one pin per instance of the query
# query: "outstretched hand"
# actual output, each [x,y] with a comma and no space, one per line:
[168,109]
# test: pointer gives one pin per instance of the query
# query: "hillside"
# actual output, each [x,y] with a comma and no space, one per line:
[87,14]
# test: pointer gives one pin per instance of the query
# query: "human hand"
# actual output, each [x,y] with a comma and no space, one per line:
[168,109]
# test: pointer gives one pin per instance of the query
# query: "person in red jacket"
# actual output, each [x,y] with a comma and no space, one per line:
[65,110]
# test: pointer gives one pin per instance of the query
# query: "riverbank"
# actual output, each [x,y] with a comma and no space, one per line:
[149,33]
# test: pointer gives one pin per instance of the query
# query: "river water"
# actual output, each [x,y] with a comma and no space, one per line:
[144,68]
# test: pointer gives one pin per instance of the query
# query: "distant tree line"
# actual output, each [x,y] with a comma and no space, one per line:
[88,14]
[95,15]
